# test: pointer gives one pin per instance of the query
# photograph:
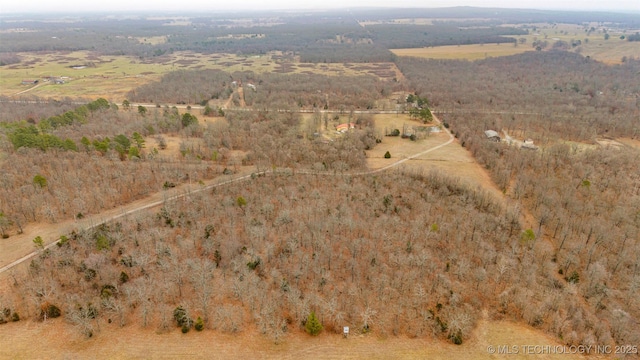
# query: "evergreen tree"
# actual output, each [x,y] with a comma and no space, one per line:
[313,325]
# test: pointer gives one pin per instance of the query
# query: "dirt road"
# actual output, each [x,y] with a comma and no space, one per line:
[19,248]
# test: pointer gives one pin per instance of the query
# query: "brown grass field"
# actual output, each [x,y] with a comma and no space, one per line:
[467,52]
[626,141]
[57,340]
[453,159]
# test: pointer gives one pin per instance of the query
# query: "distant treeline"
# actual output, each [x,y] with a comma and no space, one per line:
[503,16]
[411,36]
[334,36]
[634,37]
[601,98]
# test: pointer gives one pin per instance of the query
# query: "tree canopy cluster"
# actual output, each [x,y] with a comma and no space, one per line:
[22,135]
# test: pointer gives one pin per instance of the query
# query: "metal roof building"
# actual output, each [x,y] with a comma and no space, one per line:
[492,135]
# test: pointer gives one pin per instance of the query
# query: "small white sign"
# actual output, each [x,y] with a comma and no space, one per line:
[346,330]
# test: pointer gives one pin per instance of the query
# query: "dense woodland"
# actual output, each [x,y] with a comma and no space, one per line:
[585,204]
[566,95]
[584,200]
[256,254]
[414,36]
[267,91]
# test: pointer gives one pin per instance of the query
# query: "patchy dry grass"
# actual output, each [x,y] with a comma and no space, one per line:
[453,159]
[58,340]
[610,144]
[172,150]
[112,77]
[398,147]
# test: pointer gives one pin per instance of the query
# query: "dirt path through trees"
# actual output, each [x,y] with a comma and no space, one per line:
[19,246]
[18,249]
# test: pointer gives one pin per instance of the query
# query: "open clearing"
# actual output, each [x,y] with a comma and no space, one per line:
[57,340]
[89,75]
[453,159]
[468,52]
[592,44]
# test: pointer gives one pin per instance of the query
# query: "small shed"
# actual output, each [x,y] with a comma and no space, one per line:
[528,145]
[492,135]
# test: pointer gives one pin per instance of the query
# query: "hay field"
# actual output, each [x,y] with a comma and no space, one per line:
[465,52]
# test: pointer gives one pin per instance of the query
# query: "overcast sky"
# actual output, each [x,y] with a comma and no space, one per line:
[13,6]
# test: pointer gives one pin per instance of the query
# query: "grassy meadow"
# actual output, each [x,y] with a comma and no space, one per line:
[593,44]
[112,77]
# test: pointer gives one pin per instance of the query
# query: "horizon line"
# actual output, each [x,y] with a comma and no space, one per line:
[201,11]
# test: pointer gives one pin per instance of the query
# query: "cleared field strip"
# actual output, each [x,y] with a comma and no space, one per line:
[468,52]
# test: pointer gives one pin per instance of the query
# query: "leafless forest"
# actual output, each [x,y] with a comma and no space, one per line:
[403,252]
[276,91]
[263,139]
[585,200]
